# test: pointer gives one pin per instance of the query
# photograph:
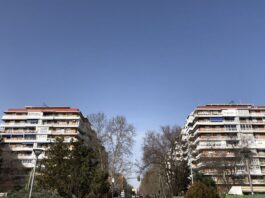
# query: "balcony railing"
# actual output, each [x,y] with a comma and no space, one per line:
[216,138]
[61,117]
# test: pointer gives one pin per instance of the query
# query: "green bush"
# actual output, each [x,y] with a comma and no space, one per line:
[200,190]
[37,193]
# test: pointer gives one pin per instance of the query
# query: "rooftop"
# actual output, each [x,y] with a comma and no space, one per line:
[43,109]
[229,106]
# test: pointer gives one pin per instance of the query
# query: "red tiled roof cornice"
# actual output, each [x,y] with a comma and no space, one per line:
[44,109]
[220,107]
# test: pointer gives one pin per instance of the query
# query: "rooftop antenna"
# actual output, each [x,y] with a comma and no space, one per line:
[44,104]
[232,102]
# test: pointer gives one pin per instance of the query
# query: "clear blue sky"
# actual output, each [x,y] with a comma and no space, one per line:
[152,61]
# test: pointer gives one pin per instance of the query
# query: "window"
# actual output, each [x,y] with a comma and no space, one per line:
[230,127]
[245,127]
[216,119]
[229,119]
[32,121]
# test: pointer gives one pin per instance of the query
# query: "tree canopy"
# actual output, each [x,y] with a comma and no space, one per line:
[163,150]
[73,169]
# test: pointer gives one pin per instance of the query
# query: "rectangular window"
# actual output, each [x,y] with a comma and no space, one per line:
[216,119]
[245,127]
[32,121]
[230,127]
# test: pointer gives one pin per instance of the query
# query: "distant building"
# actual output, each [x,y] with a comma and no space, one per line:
[37,127]
[217,131]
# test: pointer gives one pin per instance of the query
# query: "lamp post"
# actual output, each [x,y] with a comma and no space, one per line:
[191,172]
[112,181]
[37,152]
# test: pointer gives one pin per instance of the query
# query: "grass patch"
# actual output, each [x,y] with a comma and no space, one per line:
[245,196]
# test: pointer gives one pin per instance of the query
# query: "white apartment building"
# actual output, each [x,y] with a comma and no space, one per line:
[224,128]
[25,129]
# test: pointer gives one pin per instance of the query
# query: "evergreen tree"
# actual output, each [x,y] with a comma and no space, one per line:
[200,190]
[73,170]
[56,171]
[208,181]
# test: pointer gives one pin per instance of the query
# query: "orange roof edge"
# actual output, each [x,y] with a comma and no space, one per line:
[44,109]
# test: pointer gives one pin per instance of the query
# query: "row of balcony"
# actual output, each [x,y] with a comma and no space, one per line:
[230,114]
[26,117]
[223,130]
[24,125]
[224,145]
[34,140]
[206,154]
[34,133]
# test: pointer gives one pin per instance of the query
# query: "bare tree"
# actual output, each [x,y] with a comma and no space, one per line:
[247,154]
[164,151]
[231,165]
[150,182]
[99,124]
[225,165]
[118,138]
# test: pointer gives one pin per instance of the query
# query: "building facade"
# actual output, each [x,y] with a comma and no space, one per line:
[217,135]
[26,129]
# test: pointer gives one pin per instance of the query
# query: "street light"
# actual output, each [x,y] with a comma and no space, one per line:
[37,152]
[112,181]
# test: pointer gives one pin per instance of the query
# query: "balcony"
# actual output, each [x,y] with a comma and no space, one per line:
[63,133]
[208,113]
[19,131]
[21,156]
[225,138]
[61,117]
[257,130]
[15,117]
[217,155]
[261,154]
[258,181]
[257,114]
[211,129]
[65,125]
[19,140]
[22,149]
[215,146]
[15,125]
[62,125]
[260,144]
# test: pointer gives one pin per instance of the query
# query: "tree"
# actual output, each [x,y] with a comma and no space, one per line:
[118,138]
[12,172]
[37,193]
[73,169]
[164,151]
[55,175]
[120,141]
[206,180]
[200,190]
[225,165]
[150,182]
[247,154]
[99,124]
